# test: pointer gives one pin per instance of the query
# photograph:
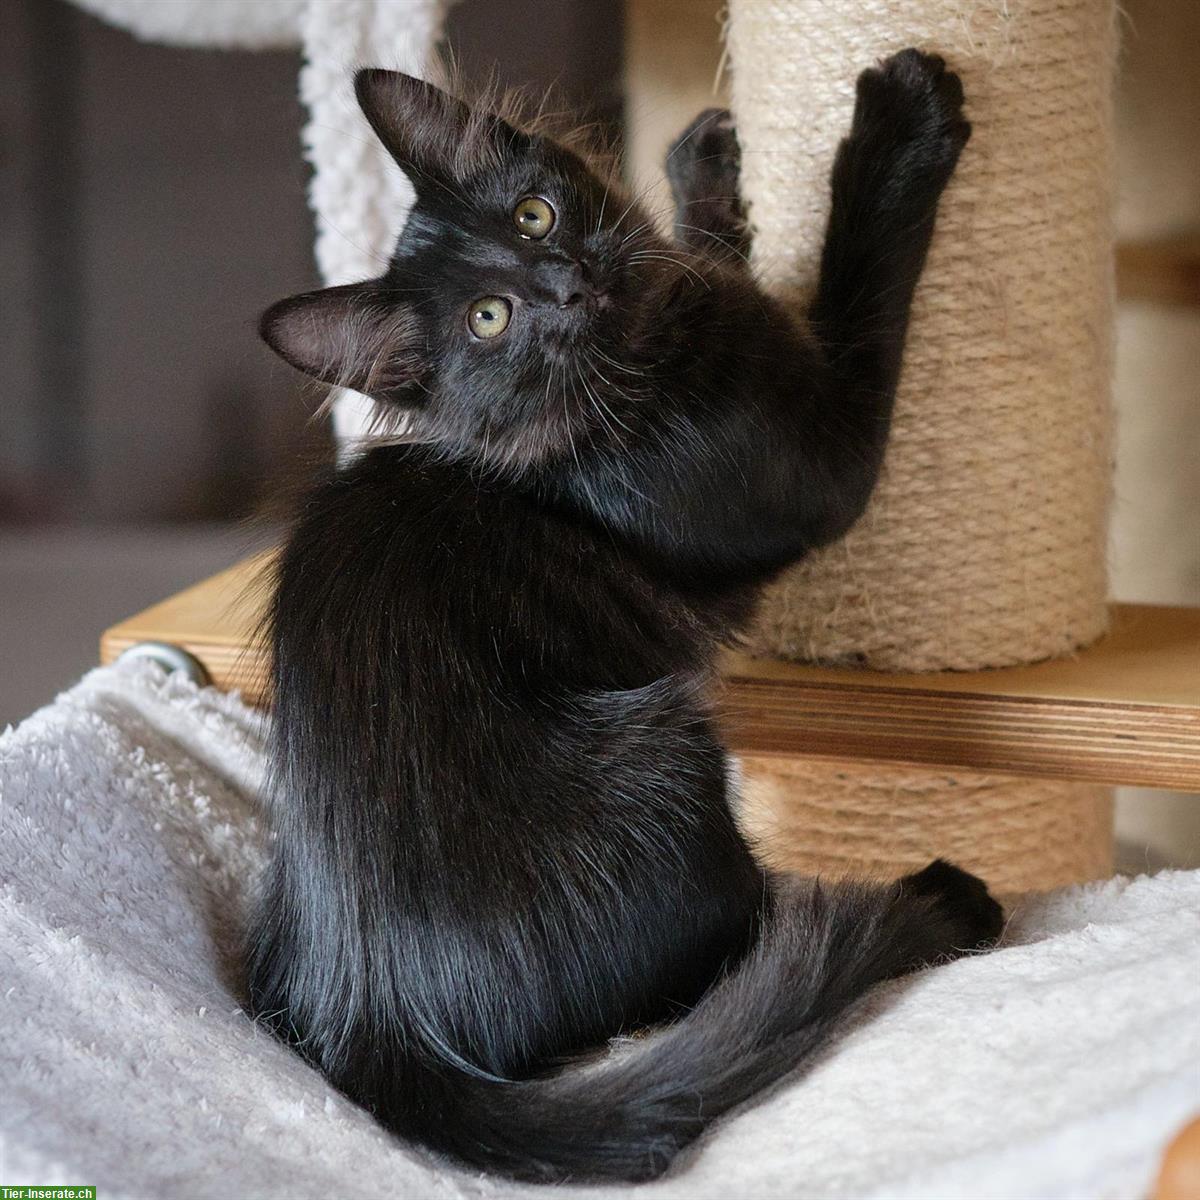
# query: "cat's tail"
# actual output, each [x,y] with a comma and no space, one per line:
[628,1117]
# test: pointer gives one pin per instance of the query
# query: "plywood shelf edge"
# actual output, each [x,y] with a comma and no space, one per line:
[1125,711]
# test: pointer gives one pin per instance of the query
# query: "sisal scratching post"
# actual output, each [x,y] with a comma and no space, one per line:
[985,543]
[879,822]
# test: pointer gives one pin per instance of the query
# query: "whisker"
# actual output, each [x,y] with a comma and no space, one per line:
[603,202]
[643,255]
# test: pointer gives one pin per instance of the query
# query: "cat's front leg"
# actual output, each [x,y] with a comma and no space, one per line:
[904,143]
[889,174]
[703,166]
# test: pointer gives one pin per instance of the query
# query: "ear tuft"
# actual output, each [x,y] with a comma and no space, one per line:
[386,96]
[432,135]
[353,336]
[419,124]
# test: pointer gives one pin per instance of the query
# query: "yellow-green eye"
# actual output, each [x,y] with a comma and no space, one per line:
[533,217]
[489,316]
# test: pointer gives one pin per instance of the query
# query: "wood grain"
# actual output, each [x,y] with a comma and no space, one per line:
[215,621]
[1125,711]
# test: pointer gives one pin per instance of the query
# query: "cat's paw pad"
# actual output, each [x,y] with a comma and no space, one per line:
[974,918]
[912,96]
[704,160]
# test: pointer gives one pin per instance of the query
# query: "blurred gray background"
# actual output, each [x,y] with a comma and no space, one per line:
[152,203]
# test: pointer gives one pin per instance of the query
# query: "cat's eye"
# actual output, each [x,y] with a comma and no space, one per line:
[489,316]
[533,217]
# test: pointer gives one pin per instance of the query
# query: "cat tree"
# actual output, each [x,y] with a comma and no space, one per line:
[985,543]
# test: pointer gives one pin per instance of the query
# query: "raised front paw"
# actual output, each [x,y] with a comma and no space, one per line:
[961,901]
[704,159]
[912,104]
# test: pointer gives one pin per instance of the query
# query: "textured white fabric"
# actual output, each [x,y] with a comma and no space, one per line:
[1055,1067]
[249,24]
[359,195]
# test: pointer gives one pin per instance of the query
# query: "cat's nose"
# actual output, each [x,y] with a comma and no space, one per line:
[563,283]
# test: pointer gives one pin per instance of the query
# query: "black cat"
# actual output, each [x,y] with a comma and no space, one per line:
[502,812]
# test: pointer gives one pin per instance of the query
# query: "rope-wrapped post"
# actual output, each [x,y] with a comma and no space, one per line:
[985,543]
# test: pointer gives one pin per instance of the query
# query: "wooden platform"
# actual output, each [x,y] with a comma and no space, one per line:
[1125,711]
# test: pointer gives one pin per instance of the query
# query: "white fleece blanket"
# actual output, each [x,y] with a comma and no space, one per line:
[129,832]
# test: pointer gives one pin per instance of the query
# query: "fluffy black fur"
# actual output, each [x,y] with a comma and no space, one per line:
[501,808]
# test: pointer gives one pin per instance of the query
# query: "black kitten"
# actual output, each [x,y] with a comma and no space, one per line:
[502,811]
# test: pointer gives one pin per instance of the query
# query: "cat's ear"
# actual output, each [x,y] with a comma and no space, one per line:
[354,337]
[432,135]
